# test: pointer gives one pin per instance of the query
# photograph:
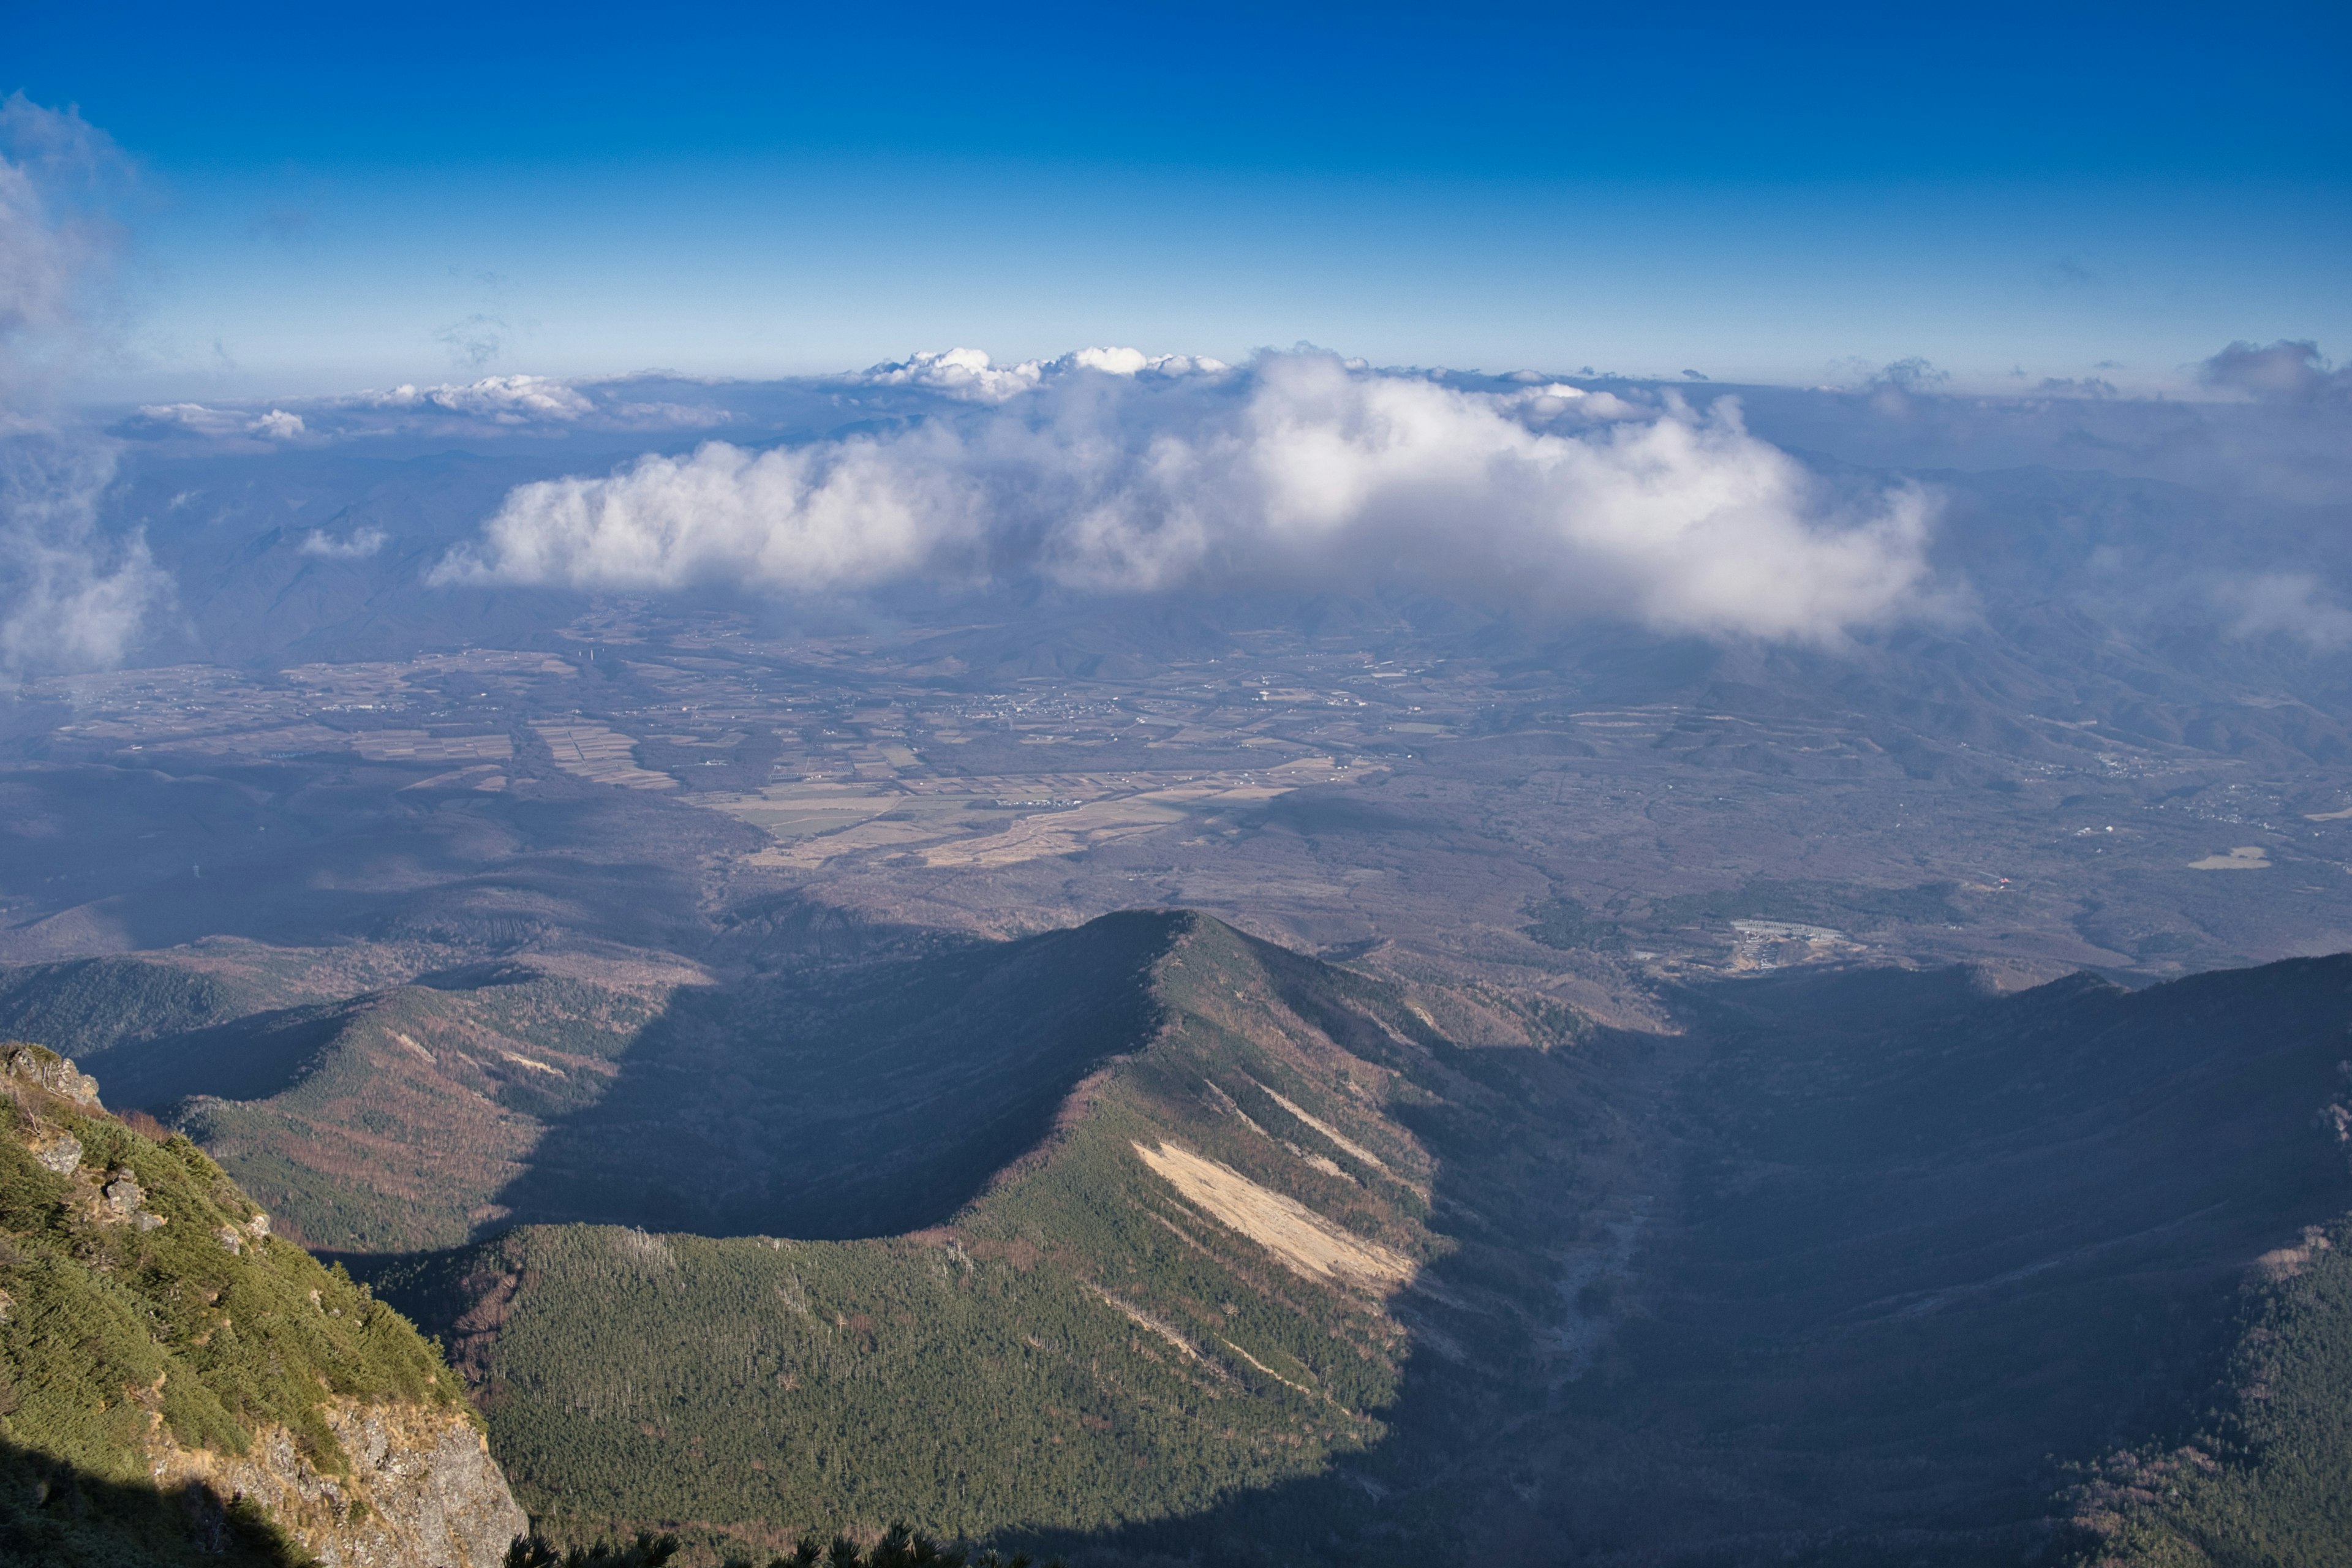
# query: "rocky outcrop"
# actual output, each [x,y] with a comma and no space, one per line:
[45,1069]
[150,1321]
[422,1491]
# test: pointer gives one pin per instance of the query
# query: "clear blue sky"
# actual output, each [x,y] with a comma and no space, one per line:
[335,196]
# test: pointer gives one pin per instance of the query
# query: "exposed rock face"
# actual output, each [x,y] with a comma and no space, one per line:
[417,1487]
[56,1151]
[422,1492]
[44,1067]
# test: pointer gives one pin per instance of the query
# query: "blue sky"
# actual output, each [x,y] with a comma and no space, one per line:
[329,198]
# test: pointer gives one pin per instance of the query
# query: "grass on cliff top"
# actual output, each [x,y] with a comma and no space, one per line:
[108,1330]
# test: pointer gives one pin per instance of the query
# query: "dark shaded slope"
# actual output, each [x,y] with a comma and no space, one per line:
[113,858]
[861,1101]
[1930,1239]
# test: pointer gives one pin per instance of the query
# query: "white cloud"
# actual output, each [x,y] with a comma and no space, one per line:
[959,373]
[2285,602]
[971,375]
[223,424]
[2288,371]
[501,399]
[361,543]
[1302,470]
[57,244]
[71,597]
[196,418]
[846,514]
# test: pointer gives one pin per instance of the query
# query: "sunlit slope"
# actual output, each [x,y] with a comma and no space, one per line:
[1212,1273]
[2261,1476]
[395,1119]
[164,1354]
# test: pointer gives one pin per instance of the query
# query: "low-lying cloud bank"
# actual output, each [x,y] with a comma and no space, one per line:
[1108,472]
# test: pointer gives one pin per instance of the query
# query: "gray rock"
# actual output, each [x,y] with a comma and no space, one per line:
[422,1491]
[124,1193]
[40,1066]
[60,1151]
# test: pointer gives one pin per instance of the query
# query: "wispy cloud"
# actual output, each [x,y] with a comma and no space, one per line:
[2285,603]
[514,404]
[1137,475]
[70,597]
[221,424]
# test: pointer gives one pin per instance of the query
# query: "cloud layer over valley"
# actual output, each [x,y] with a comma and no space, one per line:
[1111,473]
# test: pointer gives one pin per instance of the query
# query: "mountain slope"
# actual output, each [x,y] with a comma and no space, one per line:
[177,1382]
[1250,1218]
[2261,1480]
[1928,1240]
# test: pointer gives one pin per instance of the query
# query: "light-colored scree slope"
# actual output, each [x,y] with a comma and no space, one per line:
[1306,1242]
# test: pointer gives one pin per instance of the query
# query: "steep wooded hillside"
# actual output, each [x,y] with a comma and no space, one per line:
[1272,1198]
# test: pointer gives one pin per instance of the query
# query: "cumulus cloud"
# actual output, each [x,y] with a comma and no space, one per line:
[1300,469]
[70,597]
[2290,604]
[971,375]
[849,513]
[501,399]
[2284,372]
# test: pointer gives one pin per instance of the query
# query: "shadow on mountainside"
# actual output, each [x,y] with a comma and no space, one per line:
[1923,1245]
[859,1099]
[57,1515]
[305,850]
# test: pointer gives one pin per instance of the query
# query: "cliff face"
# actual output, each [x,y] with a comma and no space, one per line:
[178,1385]
[419,1488]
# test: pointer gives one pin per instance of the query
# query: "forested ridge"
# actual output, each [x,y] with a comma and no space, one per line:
[1082,1347]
